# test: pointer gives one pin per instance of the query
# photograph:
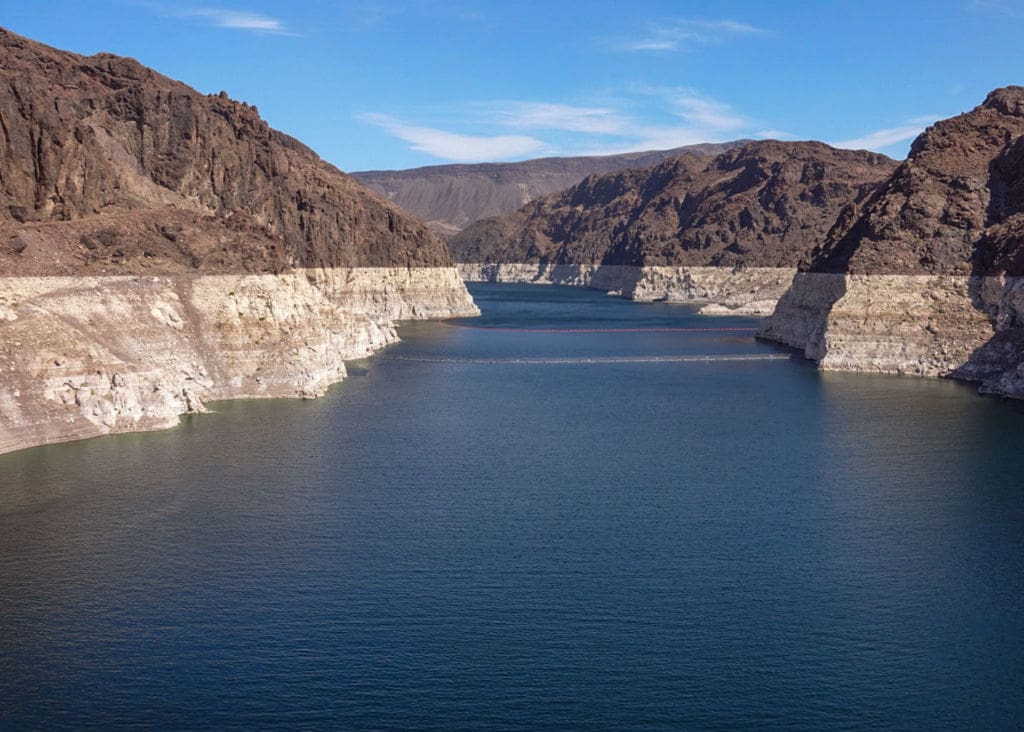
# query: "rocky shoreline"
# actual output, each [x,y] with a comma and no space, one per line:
[914,268]
[926,278]
[162,248]
[89,356]
[958,326]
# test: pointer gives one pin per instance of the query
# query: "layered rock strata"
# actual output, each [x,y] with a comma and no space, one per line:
[926,278]
[728,231]
[86,356]
[161,248]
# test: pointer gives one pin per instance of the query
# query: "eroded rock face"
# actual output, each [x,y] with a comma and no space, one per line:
[963,179]
[926,277]
[766,204]
[102,136]
[160,248]
[86,356]
[752,214]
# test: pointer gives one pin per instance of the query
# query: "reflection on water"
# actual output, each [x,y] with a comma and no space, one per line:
[447,543]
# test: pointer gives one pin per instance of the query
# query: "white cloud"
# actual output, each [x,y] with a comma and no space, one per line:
[675,35]
[703,120]
[549,116]
[238,20]
[454,146]
[774,135]
[657,138]
[700,111]
[643,118]
[879,140]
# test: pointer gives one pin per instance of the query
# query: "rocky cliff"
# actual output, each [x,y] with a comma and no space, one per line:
[927,277]
[729,229]
[450,197]
[160,248]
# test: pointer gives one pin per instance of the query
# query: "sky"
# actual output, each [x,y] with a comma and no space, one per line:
[391,84]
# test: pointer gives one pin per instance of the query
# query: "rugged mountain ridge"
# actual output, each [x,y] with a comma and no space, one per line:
[450,197]
[94,136]
[664,232]
[160,248]
[926,278]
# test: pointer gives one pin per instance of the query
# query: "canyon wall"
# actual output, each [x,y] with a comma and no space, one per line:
[726,231]
[86,356]
[926,278]
[161,248]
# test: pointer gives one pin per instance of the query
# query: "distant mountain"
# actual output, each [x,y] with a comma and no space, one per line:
[450,197]
[765,204]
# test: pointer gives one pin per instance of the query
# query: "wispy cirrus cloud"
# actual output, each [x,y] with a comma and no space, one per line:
[231,19]
[680,34]
[879,140]
[774,135]
[690,118]
[553,116]
[236,20]
[639,118]
[455,146]
[704,113]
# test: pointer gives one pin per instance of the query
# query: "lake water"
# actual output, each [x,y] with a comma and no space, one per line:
[531,523]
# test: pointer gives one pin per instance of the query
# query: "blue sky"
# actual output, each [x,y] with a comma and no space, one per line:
[402,83]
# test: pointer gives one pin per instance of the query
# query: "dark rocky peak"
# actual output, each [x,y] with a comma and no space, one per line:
[103,137]
[963,174]
[1006,100]
[763,204]
[596,190]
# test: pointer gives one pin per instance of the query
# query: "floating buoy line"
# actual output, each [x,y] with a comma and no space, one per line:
[598,330]
[531,361]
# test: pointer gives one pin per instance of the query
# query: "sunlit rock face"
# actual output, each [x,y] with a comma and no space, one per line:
[727,230]
[161,248]
[926,277]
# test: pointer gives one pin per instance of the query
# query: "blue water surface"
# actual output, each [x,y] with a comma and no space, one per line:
[457,539]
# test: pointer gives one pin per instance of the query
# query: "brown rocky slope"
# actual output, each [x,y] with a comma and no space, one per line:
[82,138]
[160,248]
[450,197]
[926,278]
[756,210]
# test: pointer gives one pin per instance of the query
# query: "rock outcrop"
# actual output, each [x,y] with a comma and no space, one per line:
[927,277]
[161,248]
[728,230]
[450,197]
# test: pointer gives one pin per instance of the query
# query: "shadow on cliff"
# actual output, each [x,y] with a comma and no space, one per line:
[995,363]
[997,264]
[801,315]
[617,277]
